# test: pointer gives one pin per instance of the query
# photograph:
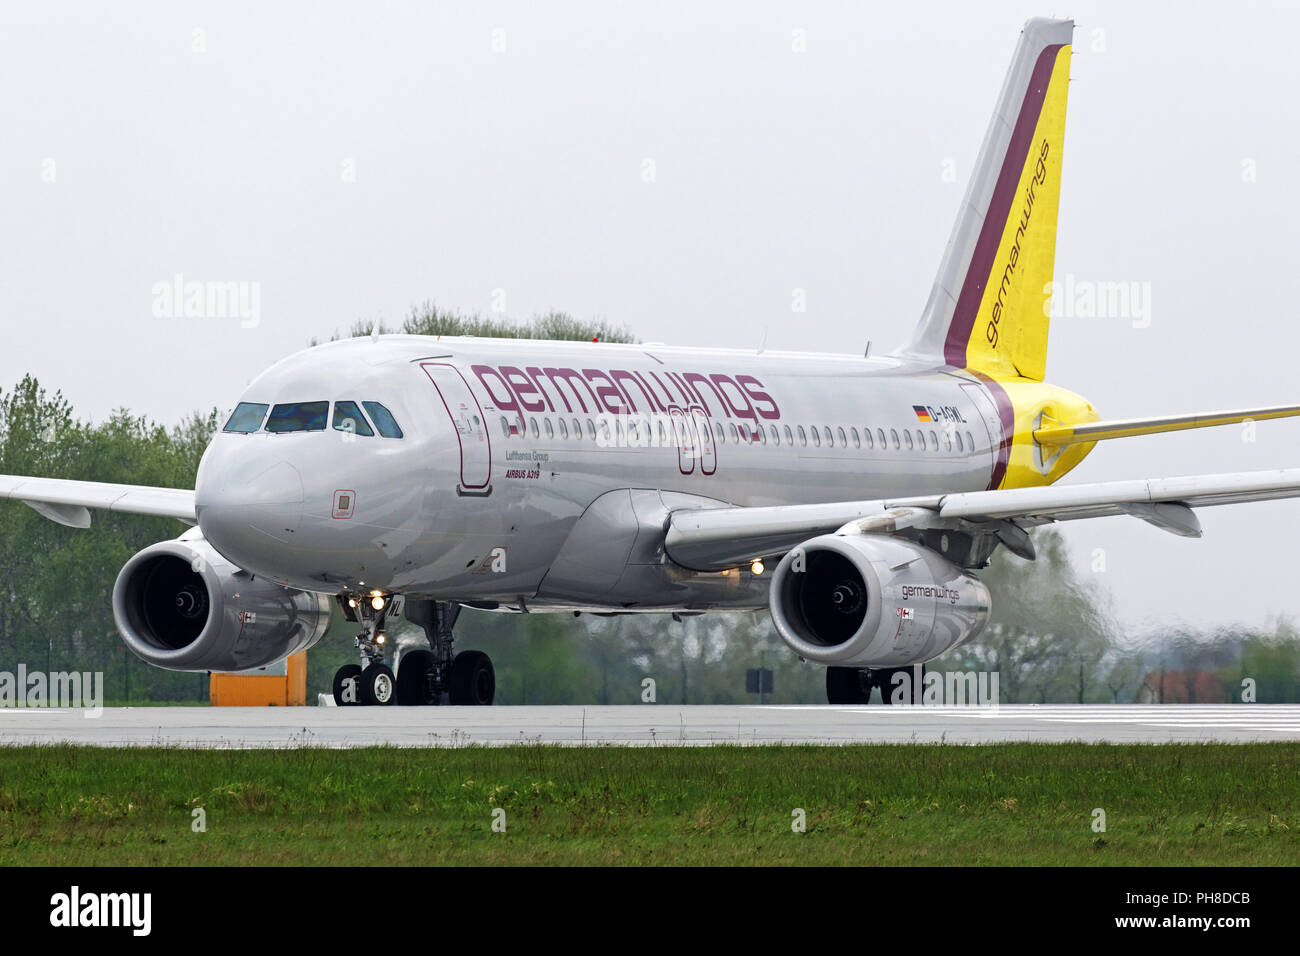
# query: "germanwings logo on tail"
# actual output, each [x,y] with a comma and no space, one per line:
[997,326]
[1013,256]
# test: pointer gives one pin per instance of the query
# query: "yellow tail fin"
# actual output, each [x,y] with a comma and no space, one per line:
[989,308]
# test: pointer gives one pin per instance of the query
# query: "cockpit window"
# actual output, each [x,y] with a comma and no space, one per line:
[383,420]
[247,417]
[298,417]
[348,418]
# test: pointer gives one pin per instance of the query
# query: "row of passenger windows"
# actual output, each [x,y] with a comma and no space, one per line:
[312,416]
[642,431]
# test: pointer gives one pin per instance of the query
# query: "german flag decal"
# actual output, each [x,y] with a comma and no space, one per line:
[922,414]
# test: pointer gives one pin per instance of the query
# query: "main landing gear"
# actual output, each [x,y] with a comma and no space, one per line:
[852,685]
[432,676]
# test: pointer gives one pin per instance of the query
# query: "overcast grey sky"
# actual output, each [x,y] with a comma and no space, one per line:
[356,159]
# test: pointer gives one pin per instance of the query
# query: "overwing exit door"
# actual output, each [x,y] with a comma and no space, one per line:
[453,394]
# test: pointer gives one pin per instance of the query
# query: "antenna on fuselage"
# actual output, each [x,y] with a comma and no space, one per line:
[867,351]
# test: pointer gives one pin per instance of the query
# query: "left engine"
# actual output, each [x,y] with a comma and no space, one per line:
[182,606]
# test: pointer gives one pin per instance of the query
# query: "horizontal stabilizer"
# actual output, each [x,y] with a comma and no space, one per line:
[1056,434]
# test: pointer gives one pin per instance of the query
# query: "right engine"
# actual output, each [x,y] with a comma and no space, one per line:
[874,601]
[181,606]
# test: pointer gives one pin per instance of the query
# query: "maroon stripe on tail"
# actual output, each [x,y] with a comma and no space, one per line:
[986,248]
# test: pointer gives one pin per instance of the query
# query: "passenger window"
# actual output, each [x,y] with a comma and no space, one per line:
[789,436]
[857,442]
[844,442]
[348,418]
[505,427]
[866,438]
[591,429]
[663,433]
[532,427]
[893,433]
[920,439]
[957,434]
[803,437]
[934,441]
[735,436]
[717,430]
[383,419]
[907,437]
[298,417]
[550,429]
[247,417]
[604,428]
[776,435]
[880,434]
[826,430]
[816,437]
[564,429]
[970,441]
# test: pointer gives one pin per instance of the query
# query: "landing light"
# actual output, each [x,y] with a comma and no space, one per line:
[756,567]
[377,602]
[380,637]
[352,602]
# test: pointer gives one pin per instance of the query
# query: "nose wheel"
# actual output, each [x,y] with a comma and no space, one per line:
[378,685]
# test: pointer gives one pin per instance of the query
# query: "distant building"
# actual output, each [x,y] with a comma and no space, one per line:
[1181,687]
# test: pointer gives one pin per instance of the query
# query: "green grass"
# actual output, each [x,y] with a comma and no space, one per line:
[899,804]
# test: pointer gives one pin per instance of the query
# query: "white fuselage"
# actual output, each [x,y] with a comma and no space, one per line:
[535,474]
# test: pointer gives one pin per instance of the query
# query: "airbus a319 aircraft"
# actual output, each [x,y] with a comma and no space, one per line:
[853,496]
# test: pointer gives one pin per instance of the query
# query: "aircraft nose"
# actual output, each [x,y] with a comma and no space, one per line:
[242,500]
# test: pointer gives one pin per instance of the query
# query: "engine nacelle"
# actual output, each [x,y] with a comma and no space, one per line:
[874,601]
[182,606]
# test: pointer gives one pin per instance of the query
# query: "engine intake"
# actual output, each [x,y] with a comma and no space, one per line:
[181,606]
[874,601]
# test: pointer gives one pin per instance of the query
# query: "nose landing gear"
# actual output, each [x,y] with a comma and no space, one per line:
[371,682]
[432,676]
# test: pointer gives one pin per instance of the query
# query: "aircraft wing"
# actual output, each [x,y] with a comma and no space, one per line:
[717,538]
[67,501]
